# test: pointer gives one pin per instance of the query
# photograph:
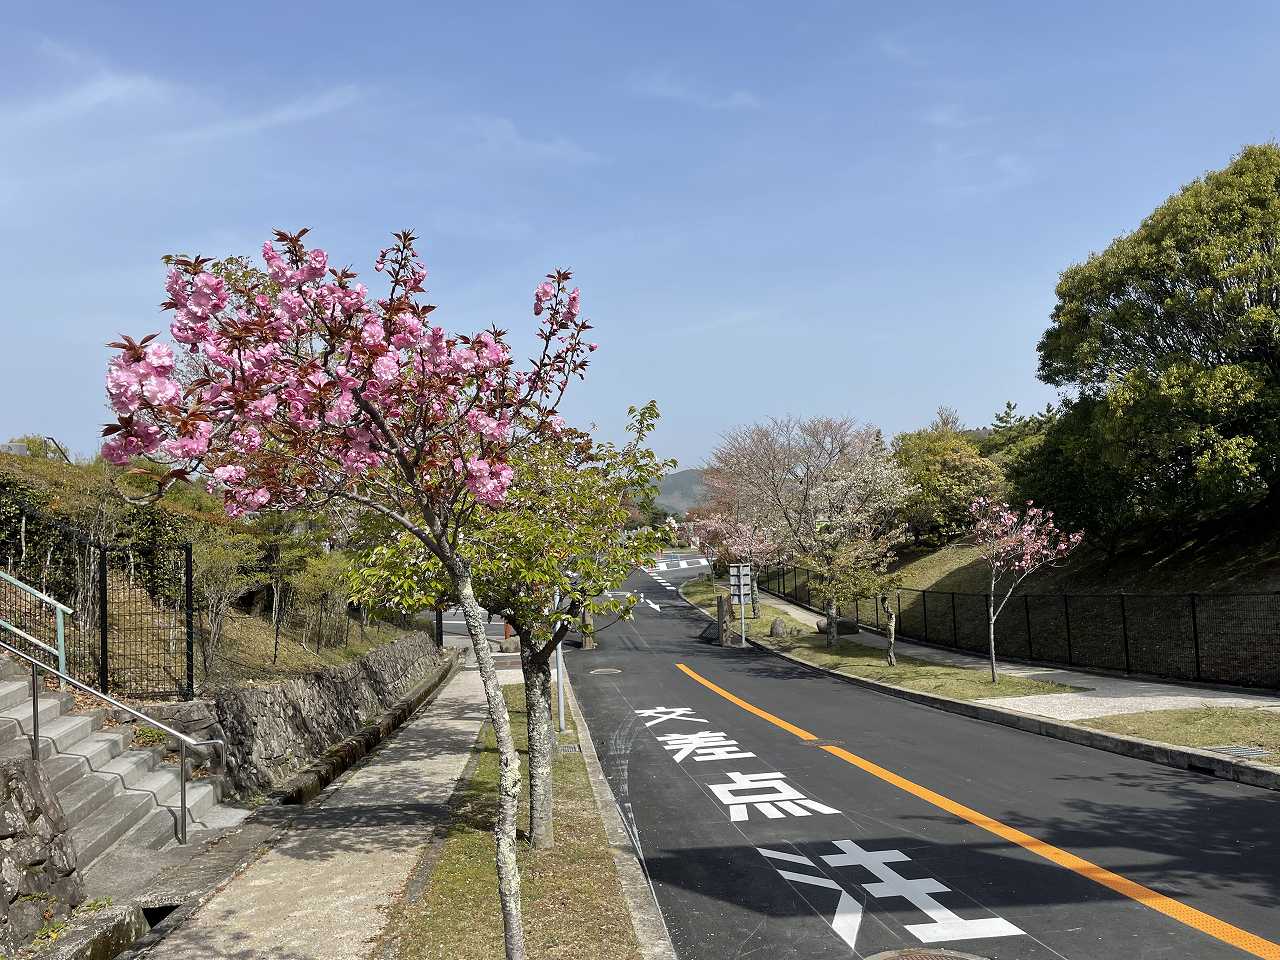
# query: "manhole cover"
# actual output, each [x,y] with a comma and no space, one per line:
[924,953]
[606,670]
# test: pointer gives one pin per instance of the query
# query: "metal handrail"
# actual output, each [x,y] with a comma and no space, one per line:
[27,588]
[60,610]
[184,741]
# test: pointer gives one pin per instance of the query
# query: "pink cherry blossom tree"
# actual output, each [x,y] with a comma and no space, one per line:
[733,529]
[303,389]
[1014,544]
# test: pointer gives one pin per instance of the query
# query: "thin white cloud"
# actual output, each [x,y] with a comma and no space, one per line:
[105,89]
[951,116]
[980,171]
[500,135]
[294,112]
[899,52]
[663,85]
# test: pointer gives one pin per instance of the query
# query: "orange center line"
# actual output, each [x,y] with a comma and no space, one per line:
[1174,909]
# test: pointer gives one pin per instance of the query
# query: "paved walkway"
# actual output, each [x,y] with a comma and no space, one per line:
[322,890]
[1100,696]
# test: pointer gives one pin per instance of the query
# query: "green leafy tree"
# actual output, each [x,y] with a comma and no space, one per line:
[322,590]
[543,563]
[226,565]
[947,473]
[1172,337]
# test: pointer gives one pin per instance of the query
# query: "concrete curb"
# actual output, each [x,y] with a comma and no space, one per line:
[646,917]
[1181,758]
[307,783]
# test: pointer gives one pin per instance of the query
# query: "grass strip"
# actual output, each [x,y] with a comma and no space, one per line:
[573,904]
[1207,726]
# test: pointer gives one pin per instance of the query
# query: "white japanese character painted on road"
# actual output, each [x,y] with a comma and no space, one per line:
[943,925]
[768,793]
[848,915]
[703,745]
[661,714]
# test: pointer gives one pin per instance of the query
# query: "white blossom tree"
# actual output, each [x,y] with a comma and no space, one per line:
[834,496]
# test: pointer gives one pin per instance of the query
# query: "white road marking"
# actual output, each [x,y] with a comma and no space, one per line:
[761,790]
[703,745]
[848,916]
[944,925]
[676,565]
[668,713]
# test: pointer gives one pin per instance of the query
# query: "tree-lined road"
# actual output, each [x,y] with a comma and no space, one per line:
[785,814]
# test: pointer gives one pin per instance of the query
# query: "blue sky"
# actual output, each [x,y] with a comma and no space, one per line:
[816,207]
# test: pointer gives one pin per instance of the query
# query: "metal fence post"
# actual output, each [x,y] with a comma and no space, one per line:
[955,635]
[1026,611]
[188,599]
[899,596]
[924,606]
[1195,633]
[103,670]
[1066,621]
[35,714]
[876,602]
[1124,632]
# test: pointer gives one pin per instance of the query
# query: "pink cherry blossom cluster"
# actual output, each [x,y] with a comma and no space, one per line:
[1018,541]
[734,539]
[303,385]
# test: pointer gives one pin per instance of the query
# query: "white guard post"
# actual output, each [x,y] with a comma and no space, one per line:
[740,591]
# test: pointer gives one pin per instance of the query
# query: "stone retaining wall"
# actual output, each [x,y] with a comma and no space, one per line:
[39,882]
[274,730]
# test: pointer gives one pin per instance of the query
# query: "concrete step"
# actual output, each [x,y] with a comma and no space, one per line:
[91,753]
[57,735]
[87,795]
[13,692]
[111,822]
[15,721]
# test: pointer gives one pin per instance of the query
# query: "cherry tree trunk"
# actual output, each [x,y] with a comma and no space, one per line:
[832,624]
[504,828]
[991,634]
[542,747]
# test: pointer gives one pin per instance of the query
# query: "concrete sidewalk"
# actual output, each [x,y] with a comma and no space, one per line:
[322,890]
[1100,695]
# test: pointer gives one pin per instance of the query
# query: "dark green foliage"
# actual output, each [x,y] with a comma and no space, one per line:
[1170,342]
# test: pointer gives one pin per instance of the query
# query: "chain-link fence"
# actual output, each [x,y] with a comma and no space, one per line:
[131,633]
[1211,637]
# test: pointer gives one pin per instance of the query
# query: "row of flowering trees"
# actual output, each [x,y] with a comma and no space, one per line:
[829,494]
[299,388]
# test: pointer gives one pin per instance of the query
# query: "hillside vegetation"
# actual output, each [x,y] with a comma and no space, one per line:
[240,568]
[1238,557]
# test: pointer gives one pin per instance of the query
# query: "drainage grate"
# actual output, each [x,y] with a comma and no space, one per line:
[570,748]
[1244,753]
[923,953]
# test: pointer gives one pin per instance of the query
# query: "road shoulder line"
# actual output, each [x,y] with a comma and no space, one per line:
[1168,755]
[646,916]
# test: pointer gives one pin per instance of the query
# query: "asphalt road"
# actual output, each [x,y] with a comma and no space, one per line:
[888,825]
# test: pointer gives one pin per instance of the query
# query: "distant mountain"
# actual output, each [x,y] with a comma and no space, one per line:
[681,490]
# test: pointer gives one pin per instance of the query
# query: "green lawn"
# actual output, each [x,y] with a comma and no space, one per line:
[1200,727]
[860,660]
[573,904]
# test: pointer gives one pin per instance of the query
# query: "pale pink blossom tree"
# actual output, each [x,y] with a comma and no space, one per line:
[1014,544]
[304,389]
